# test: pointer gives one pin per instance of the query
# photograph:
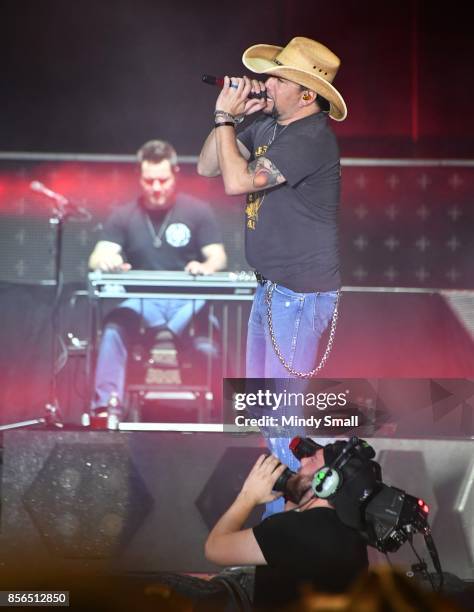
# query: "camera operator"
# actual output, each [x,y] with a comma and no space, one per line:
[306,544]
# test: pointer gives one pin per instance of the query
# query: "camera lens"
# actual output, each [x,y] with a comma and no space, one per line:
[280,485]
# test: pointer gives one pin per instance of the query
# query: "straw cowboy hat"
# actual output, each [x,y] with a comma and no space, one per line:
[304,61]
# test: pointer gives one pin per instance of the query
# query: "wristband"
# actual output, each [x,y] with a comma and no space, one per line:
[216,125]
[224,115]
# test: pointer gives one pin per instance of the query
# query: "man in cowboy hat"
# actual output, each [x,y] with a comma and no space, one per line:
[287,163]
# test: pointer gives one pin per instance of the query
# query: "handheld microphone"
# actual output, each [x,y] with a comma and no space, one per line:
[219,82]
[52,195]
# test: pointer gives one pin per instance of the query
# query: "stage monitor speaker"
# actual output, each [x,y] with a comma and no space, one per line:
[124,501]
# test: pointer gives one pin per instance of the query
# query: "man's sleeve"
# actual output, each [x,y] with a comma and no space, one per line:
[114,229]
[272,537]
[246,137]
[297,155]
[208,231]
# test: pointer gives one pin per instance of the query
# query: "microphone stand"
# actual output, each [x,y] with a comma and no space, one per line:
[52,416]
[51,419]
[60,214]
[62,209]
[52,413]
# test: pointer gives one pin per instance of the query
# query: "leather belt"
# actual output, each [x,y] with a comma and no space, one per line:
[261,280]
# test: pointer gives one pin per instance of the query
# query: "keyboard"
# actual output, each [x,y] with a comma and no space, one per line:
[144,283]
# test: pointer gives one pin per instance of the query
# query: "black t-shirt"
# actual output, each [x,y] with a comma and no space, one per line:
[183,230]
[306,547]
[291,229]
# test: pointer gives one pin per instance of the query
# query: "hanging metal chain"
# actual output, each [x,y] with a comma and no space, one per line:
[268,299]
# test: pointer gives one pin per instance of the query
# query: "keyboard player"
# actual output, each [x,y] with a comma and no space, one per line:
[164,229]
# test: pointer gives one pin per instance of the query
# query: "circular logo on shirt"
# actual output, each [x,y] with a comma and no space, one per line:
[178,235]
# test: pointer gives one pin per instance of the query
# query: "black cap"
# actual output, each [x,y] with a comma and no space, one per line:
[331,451]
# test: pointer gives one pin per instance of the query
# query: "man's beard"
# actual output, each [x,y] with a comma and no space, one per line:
[297,486]
[275,114]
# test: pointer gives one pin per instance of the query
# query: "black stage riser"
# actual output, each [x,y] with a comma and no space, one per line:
[146,501]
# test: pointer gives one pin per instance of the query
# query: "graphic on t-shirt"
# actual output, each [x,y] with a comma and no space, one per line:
[251,210]
[254,200]
[178,235]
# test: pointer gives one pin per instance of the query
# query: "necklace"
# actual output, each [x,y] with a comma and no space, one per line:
[272,137]
[156,236]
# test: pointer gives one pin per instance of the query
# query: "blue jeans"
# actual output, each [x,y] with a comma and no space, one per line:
[111,365]
[299,320]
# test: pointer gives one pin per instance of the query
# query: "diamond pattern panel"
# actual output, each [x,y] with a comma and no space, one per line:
[401,225]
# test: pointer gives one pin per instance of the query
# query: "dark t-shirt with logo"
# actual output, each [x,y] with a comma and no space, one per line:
[183,231]
[291,229]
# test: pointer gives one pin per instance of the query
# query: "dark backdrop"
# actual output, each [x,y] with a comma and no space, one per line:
[104,76]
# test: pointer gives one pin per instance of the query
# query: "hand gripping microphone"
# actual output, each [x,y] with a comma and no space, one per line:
[219,82]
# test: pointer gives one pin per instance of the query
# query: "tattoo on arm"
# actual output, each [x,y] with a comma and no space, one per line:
[264,173]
